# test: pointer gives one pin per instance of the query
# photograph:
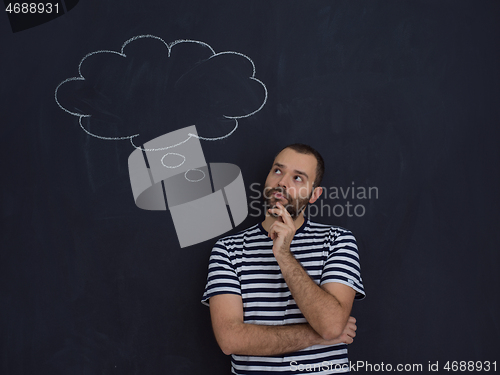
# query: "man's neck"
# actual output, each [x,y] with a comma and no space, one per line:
[269,220]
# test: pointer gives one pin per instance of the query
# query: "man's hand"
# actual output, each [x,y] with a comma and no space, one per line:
[282,230]
[348,334]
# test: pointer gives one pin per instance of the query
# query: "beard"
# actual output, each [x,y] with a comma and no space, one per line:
[294,206]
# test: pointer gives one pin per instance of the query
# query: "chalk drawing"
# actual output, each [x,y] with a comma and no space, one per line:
[175,166]
[220,202]
[121,53]
[194,169]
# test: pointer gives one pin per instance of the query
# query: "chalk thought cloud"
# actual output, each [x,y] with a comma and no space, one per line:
[151,87]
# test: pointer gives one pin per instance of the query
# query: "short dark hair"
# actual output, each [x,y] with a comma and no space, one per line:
[308,150]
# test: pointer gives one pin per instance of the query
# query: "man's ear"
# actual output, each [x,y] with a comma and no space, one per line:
[316,194]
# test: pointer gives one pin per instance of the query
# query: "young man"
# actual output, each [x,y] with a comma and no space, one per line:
[280,293]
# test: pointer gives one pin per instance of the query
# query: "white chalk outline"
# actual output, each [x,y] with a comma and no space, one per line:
[194,169]
[172,153]
[169,47]
[190,135]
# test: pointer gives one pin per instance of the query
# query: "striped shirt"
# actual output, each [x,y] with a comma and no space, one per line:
[244,264]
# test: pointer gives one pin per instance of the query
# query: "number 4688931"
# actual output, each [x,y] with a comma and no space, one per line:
[25,8]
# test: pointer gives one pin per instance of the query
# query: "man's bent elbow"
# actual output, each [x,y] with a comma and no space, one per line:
[228,342]
[226,350]
[225,345]
[331,332]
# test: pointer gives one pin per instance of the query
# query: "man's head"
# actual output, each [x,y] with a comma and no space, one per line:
[294,178]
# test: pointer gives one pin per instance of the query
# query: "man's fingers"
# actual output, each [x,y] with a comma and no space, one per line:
[349,336]
[278,228]
[351,332]
[352,329]
[281,211]
[285,216]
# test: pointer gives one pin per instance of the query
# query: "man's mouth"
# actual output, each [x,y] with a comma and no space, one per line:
[276,194]
[279,196]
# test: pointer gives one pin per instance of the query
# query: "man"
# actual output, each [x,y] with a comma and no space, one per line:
[281,292]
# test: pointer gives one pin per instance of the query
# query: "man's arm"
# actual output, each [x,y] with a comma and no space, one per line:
[236,337]
[325,308]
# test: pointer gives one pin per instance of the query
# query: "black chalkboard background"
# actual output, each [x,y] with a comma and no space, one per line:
[401,96]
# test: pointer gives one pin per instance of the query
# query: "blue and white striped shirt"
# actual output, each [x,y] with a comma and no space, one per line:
[244,264]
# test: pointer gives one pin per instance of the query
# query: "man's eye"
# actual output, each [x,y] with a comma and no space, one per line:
[298,178]
[277,171]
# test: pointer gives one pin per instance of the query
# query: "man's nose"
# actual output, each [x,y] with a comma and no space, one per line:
[283,182]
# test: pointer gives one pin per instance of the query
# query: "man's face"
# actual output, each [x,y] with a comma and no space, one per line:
[290,181]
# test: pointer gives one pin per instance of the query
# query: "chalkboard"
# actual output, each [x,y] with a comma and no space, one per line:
[401,98]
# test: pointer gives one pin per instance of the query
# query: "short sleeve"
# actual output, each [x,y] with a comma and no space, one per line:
[342,264]
[222,277]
